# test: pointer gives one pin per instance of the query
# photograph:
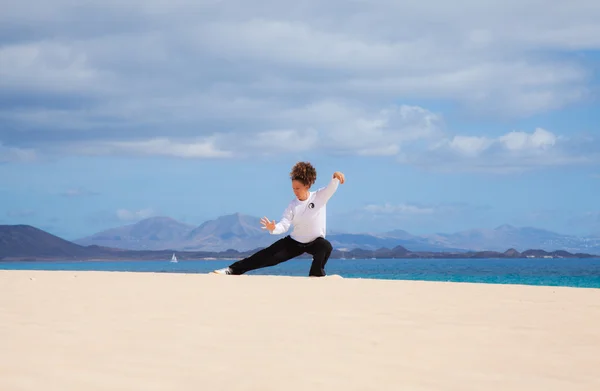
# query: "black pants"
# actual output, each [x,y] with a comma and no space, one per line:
[285,249]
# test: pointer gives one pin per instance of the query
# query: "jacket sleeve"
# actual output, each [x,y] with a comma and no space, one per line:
[325,193]
[285,222]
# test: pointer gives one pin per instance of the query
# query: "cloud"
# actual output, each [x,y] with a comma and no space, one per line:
[155,147]
[281,140]
[345,128]
[46,66]
[329,126]
[14,154]
[216,79]
[511,152]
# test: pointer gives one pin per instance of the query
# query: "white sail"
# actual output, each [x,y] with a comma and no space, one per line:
[174,258]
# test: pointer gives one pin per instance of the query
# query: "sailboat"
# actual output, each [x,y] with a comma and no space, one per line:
[173,258]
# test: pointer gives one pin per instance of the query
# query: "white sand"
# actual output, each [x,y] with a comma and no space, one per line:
[79,331]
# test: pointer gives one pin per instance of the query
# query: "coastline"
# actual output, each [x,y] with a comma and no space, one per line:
[161,256]
[90,330]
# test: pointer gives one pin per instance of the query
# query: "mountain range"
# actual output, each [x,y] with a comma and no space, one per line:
[243,233]
[28,243]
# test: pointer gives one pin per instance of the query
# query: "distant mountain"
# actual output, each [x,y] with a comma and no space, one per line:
[400,234]
[26,243]
[373,242]
[235,231]
[154,233]
[236,225]
[242,232]
[508,236]
[497,239]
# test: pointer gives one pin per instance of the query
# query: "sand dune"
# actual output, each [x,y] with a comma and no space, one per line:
[79,331]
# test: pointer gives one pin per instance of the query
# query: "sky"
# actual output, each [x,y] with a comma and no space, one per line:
[443,116]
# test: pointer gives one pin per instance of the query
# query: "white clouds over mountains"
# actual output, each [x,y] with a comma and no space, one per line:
[513,151]
[217,79]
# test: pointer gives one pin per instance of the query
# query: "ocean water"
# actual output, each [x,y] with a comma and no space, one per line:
[573,272]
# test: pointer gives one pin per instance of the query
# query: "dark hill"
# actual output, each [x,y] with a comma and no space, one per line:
[28,241]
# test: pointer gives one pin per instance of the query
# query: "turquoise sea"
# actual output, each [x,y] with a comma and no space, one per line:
[572,272]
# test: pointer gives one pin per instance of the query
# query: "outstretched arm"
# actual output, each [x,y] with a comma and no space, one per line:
[283,225]
[325,193]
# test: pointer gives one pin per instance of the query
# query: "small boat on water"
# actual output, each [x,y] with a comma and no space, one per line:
[173,258]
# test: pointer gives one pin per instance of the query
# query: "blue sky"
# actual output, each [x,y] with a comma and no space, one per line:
[442,116]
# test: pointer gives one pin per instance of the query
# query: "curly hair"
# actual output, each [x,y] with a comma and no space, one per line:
[304,172]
